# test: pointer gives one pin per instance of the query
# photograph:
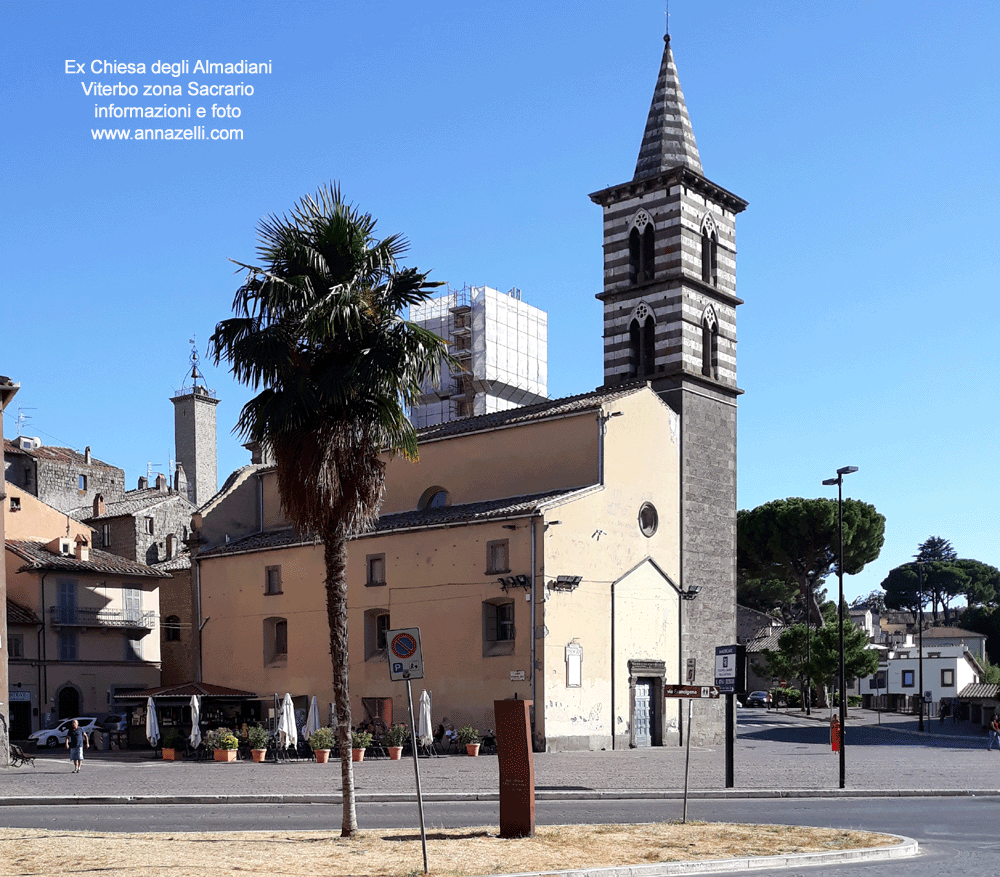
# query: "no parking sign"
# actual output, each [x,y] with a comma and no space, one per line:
[405,659]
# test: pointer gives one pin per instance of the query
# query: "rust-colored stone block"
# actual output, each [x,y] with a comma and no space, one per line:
[517,768]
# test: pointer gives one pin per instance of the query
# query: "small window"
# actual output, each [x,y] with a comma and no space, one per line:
[275,641]
[648,519]
[15,504]
[106,535]
[947,678]
[376,628]
[908,679]
[933,654]
[67,645]
[15,646]
[133,649]
[375,575]
[82,482]
[172,629]
[498,627]
[149,526]
[433,498]
[498,556]
[272,580]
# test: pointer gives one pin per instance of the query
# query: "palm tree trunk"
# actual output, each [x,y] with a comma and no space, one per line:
[335,558]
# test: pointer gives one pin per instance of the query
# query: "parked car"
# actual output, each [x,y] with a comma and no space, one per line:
[114,723]
[759,698]
[57,736]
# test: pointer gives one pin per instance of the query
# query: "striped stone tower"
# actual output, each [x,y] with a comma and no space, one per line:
[670,318]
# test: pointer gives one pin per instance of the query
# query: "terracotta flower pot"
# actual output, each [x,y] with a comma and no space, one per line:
[225,754]
[170,754]
[395,752]
[322,755]
[357,755]
[472,749]
[258,754]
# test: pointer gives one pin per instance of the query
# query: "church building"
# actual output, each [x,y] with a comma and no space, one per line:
[577,552]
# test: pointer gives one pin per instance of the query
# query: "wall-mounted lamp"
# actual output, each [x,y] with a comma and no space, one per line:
[691,592]
[519,581]
[565,583]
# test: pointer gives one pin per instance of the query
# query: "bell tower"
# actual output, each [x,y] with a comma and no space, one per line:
[670,318]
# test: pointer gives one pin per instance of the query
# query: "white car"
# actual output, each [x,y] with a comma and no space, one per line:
[57,736]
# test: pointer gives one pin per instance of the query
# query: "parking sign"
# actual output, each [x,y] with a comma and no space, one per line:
[405,658]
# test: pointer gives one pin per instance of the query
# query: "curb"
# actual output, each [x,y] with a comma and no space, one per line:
[906,848]
[452,797]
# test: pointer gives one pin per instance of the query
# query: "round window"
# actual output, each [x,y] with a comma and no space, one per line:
[648,519]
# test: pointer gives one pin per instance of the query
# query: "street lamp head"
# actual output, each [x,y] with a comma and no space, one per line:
[847,470]
[691,592]
[829,481]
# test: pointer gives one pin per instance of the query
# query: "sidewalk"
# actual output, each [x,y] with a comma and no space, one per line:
[773,757]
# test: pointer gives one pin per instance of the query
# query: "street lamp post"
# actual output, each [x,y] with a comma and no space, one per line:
[920,642]
[839,481]
[808,692]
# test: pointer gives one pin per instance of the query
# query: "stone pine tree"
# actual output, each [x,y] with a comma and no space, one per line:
[796,541]
[318,330]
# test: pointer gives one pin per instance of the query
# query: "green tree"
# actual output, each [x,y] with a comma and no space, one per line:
[797,541]
[318,331]
[874,601]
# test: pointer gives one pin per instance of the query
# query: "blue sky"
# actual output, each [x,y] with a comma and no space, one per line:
[864,136]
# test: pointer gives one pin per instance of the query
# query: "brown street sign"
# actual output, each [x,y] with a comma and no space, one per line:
[690,691]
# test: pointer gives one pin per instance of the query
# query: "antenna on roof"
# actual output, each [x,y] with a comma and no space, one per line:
[149,472]
[23,418]
[666,23]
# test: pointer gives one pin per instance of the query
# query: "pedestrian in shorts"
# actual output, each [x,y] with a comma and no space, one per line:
[76,740]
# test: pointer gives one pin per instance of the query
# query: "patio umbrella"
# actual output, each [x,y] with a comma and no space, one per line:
[286,724]
[312,720]
[425,733]
[195,738]
[152,726]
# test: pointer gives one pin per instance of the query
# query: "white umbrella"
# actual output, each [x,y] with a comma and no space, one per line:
[425,733]
[195,738]
[152,726]
[312,720]
[286,724]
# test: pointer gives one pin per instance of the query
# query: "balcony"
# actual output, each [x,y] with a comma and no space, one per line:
[62,616]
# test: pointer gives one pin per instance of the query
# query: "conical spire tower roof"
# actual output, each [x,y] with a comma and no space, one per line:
[668,140]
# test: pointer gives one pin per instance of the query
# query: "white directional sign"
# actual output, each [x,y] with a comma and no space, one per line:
[405,658]
[730,669]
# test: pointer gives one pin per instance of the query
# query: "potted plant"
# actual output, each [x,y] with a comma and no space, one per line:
[173,745]
[469,737]
[322,741]
[360,741]
[257,738]
[223,742]
[395,738]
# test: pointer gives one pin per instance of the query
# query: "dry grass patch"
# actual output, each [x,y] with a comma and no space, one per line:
[458,852]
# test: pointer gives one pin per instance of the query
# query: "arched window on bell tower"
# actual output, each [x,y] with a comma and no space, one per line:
[641,249]
[641,341]
[710,343]
[709,250]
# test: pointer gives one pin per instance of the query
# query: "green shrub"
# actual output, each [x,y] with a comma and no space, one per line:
[322,738]
[361,739]
[468,735]
[257,737]
[397,735]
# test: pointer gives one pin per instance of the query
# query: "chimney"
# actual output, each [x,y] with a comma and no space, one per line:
[99,506]
[161,483]
[86,455]
[143,482]
[171,546]
[180,481]
[82,549]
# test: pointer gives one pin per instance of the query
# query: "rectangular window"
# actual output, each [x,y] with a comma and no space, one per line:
[908,679]
[15,504]
[376,570]
[15,646]
[67,645]
[498,556]
[106,535]
[133,648]
[947,678]
[82,482]
[376,627]
[149,526]
[381,629]
[281,638]
[272,580]
[66,602]
[498,627]
[275,641]
[132,603]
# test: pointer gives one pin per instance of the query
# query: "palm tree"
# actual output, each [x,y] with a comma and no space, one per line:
[318,331]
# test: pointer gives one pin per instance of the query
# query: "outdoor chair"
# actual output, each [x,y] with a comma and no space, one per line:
[18,758]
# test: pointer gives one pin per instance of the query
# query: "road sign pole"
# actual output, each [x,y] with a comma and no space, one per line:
[730,739]
[416,772]
[687,766]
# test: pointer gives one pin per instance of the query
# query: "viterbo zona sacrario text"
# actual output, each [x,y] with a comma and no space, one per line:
[169,68]
[194,89]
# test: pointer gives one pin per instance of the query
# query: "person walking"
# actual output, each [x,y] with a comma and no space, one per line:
[994,733]
[76,740]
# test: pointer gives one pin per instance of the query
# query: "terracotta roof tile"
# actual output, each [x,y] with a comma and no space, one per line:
[980,689]
[61,455]
[37,556]
[133,502]
[18,614]
[186,689]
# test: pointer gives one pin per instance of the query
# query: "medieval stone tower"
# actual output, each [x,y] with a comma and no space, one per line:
[670,318]
[194,437]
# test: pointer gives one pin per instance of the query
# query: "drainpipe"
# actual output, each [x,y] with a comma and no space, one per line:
[612,666]
[534,706]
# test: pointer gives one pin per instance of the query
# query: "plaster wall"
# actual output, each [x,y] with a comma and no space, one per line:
[37,521]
